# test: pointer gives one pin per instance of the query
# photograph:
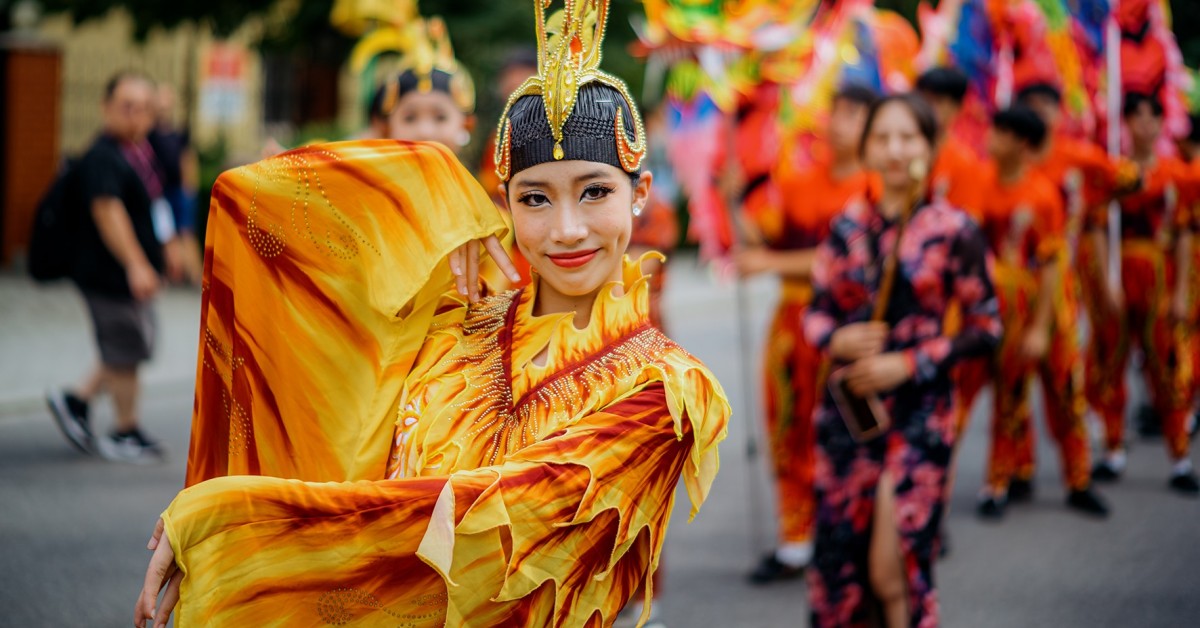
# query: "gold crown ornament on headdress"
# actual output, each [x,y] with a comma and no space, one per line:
[569,46]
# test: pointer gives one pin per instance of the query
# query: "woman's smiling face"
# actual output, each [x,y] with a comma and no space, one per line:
[573,221]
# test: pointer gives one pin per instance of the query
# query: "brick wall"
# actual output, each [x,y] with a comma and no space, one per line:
[31,82]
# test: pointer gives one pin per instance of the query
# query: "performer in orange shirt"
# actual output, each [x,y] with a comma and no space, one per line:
[955,175]
[793,368]
[1189,149]
[1156,256]
[1023,218]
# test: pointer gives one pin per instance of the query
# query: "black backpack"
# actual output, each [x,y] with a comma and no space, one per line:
[52,243]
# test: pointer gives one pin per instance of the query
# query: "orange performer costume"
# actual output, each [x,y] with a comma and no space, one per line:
[403,454]
[1152,220]
[955,174]
[1024,221]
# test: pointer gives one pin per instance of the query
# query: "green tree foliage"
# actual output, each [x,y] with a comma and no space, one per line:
[223,16]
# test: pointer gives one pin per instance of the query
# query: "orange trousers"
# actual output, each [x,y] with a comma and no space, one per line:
[794,379]
[1011,455]
[1148,276]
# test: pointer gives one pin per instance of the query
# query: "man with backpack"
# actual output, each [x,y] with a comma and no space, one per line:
[119,220]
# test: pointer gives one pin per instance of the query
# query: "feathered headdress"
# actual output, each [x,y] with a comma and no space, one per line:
[396,28]
[569,51]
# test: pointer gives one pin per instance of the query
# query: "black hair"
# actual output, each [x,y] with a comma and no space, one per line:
[1135,100]
[375,107]
[857,94]
[917,107]
[110,88]
[588,135]
[408,82]
[944,81]
[1045,90]
[1023,123]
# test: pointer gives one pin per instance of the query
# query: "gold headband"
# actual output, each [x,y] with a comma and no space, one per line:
[567,62]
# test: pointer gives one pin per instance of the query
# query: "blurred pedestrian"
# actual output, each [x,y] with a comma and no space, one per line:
[124,221]
[793,369]
[180,170]
[880,501]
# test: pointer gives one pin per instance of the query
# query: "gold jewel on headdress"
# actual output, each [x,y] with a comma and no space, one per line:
[567,62]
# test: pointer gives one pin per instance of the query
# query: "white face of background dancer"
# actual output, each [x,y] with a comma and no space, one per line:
[893,143]
[573,221]
[429,117]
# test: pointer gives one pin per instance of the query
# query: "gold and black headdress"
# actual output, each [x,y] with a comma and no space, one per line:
[430,65]
[571,110]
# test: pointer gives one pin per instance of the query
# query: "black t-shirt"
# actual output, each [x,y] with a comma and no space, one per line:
[168,146]
[104,172]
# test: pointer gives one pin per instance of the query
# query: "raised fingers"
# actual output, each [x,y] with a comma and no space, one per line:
[154,538]
[473,271]
[503,261]
[456,269]
[170,599]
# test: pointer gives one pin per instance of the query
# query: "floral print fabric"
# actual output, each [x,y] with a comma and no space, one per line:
[942,258]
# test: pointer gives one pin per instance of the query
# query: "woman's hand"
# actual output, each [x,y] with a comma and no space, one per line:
[464,265]
[878,373]
[857,341]
[1180,308]
[161,573]
[753,261]
[1036,343]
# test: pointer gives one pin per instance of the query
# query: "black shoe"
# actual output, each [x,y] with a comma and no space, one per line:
[71,416]
[1185,483]
[771,570]
[1104,472]
[1087,502]
[1020,491]
[1149,425]
[991,508]
[131,446]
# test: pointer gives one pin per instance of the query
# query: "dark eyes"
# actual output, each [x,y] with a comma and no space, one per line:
[591,193]
[533,199]
[597,192]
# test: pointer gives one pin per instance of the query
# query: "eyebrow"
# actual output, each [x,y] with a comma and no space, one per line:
[587,176]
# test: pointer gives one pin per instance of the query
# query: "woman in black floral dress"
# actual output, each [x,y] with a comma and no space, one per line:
[880,501]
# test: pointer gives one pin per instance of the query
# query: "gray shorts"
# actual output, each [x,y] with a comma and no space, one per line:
[124,327]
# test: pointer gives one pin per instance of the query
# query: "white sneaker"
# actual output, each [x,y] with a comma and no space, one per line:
[133,447]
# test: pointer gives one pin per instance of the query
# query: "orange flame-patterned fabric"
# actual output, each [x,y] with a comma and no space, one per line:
[369,447]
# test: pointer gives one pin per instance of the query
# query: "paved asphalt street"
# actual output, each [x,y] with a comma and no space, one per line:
[72,528]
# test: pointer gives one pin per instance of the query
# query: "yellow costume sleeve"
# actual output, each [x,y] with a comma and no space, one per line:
[323,268]
[561,533]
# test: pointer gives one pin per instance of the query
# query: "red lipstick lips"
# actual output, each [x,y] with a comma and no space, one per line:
[573,260]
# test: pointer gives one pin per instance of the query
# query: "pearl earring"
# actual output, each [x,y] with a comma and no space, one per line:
[637,210]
